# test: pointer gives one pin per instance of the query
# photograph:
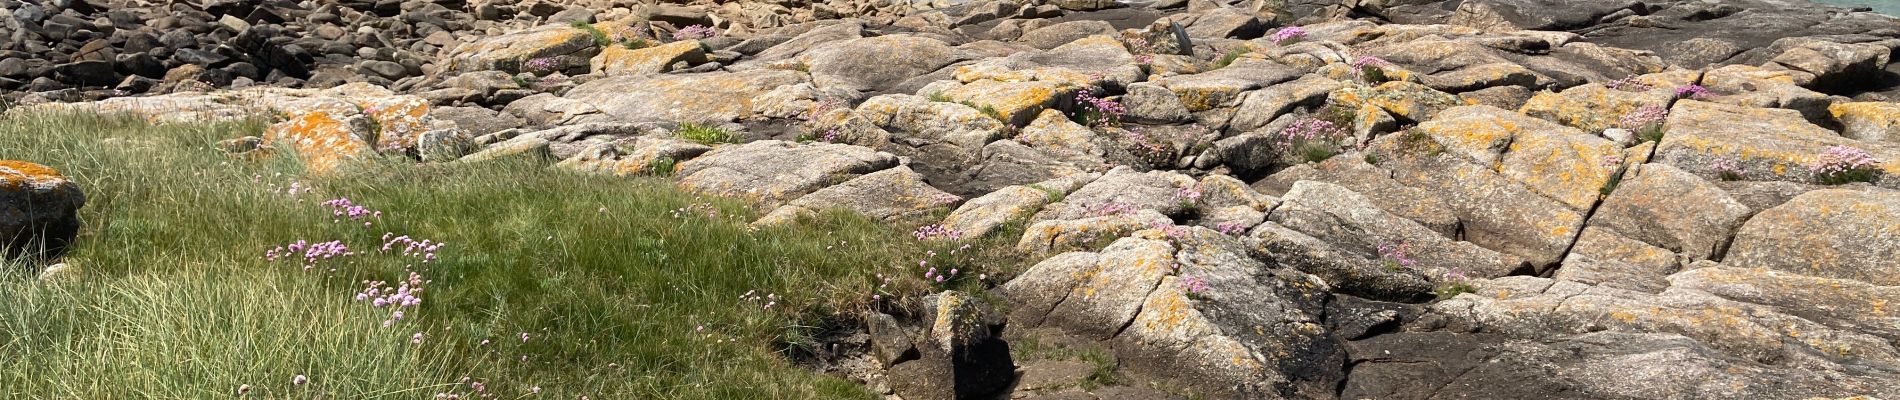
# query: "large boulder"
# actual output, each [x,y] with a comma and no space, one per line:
[1553,160]
[1767,144]
[896,195]
[701,97]
[566,45]
[617,60]
[876,64]
[1672,209]
[773,173]
[1196,310]
[1351,221]
[1835,233]
[38,211]
[1868,121]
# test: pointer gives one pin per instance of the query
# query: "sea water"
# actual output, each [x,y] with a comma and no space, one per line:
[1889,7]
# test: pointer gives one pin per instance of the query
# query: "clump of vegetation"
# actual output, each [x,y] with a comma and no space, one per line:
[511,279]
[600,38]
[1843,164]
[1646,122]
[704,134]
[1049,195]
[1097,111]
[1453,283]
[1311,140]
[1615,163]
[1228,59]
[1370,69]
[1726,168]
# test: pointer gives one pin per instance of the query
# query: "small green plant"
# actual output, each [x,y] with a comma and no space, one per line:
[1049,195]
[938,97]
[1452,283]
[1372,159]
[1228,59]
[992,112]
[1450,290]
[635,43]
[1610,186]
[662,166]
[703,134]
[600,38]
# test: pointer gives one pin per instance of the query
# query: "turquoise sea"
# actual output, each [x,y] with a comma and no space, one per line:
[1889,7]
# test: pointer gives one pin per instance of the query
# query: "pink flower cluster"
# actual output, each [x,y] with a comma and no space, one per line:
[1111,110]
[1645,117]
[932,274]
[1395,256]
[1727,168]
[1361,62]
[695,32]
[1289,34]
[1309,129]
[312,254]
[831,136]
[1692,91]
[1231,228]
[1629,84]
[1612,161]
[341,208]
[412,248]
[1188,194]
[1842,159]
[406,295]
[1110,208]
[1195,286]
[936,232]
[544,64]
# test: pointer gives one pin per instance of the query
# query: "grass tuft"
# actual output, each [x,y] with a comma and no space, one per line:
[705,134]
[625,287]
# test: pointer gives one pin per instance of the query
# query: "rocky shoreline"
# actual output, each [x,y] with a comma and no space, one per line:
[1404,199]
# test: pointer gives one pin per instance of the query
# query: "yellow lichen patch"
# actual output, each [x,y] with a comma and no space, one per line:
[15,174]
[1015,102]
[400,121]
[320,139]
[617,60]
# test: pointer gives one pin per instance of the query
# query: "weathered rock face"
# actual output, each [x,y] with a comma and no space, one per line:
[565,46]
[897,195]
[1352,223]
[1196,310]
[772,173]
[618,60]
[1672,209]
[38,211]
[1767,144]
[1842,234]
[878,63]
[701,97]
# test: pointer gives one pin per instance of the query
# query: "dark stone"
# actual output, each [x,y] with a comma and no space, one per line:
[200,57]
[13,67]
[256,42]
[136,84]
[90,73]
[141,64]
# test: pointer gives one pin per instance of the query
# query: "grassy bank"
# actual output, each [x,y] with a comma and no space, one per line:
[546,283]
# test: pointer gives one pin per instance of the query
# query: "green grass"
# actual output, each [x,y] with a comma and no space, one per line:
[704,134]
[600,38]
[175,300]
[1228,59]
